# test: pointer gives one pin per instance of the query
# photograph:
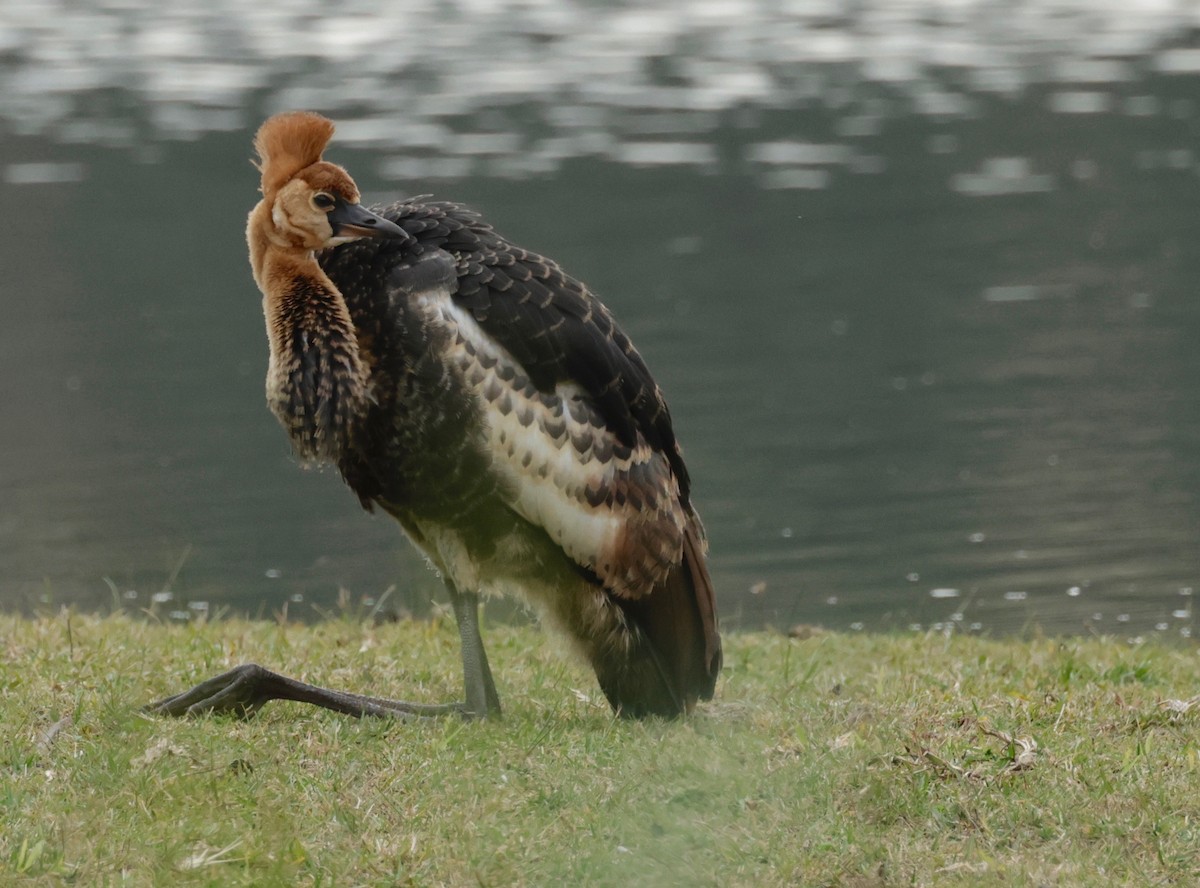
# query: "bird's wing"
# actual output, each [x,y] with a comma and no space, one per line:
[614,508]
[578,431]
[550,324]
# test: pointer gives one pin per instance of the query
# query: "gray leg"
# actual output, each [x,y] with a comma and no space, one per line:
[482,699]
[244,690]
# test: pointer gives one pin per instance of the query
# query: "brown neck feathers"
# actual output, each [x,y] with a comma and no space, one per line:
[316,380]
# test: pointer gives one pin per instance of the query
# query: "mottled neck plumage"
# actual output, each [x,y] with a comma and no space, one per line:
[316,380]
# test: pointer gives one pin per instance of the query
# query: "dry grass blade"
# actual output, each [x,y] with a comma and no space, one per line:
[157,750]
[205,856]
[1180,707]
[48,736]
[1023,749]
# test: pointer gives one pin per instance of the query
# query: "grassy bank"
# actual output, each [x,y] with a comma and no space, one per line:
[834,760]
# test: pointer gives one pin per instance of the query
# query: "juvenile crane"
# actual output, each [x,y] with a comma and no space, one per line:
[489,403]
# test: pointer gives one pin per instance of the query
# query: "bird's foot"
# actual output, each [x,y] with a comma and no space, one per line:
[240,692]
[244,690]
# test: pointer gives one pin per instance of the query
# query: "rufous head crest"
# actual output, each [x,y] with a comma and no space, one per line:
[287,143]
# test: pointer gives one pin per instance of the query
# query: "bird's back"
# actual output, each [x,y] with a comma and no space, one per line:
[521,440]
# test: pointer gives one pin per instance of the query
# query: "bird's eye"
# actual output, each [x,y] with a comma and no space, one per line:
[323,201]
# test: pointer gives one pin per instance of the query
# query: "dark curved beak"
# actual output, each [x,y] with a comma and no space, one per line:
[355,220]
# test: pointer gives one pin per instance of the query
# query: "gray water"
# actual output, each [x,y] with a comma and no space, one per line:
[918,280]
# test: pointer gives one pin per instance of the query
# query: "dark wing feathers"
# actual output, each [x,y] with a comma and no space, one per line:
[548,321]
[429,272]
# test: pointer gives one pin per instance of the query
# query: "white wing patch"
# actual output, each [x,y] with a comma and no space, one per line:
[613,509]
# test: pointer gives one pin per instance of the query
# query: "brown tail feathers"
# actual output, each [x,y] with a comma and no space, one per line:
[675,653]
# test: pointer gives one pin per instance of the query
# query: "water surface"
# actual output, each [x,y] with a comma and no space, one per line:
[919,283]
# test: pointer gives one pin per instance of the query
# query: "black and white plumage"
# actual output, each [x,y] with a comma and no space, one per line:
[488,402]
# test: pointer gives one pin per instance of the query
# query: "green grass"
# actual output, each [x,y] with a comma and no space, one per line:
[858,760]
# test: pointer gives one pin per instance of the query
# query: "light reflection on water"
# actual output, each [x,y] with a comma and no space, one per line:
[504,88]
[916,280]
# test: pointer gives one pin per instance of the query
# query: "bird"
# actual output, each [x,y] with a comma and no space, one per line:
[489,403]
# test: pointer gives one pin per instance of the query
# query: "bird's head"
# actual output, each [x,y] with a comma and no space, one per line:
[313,203]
